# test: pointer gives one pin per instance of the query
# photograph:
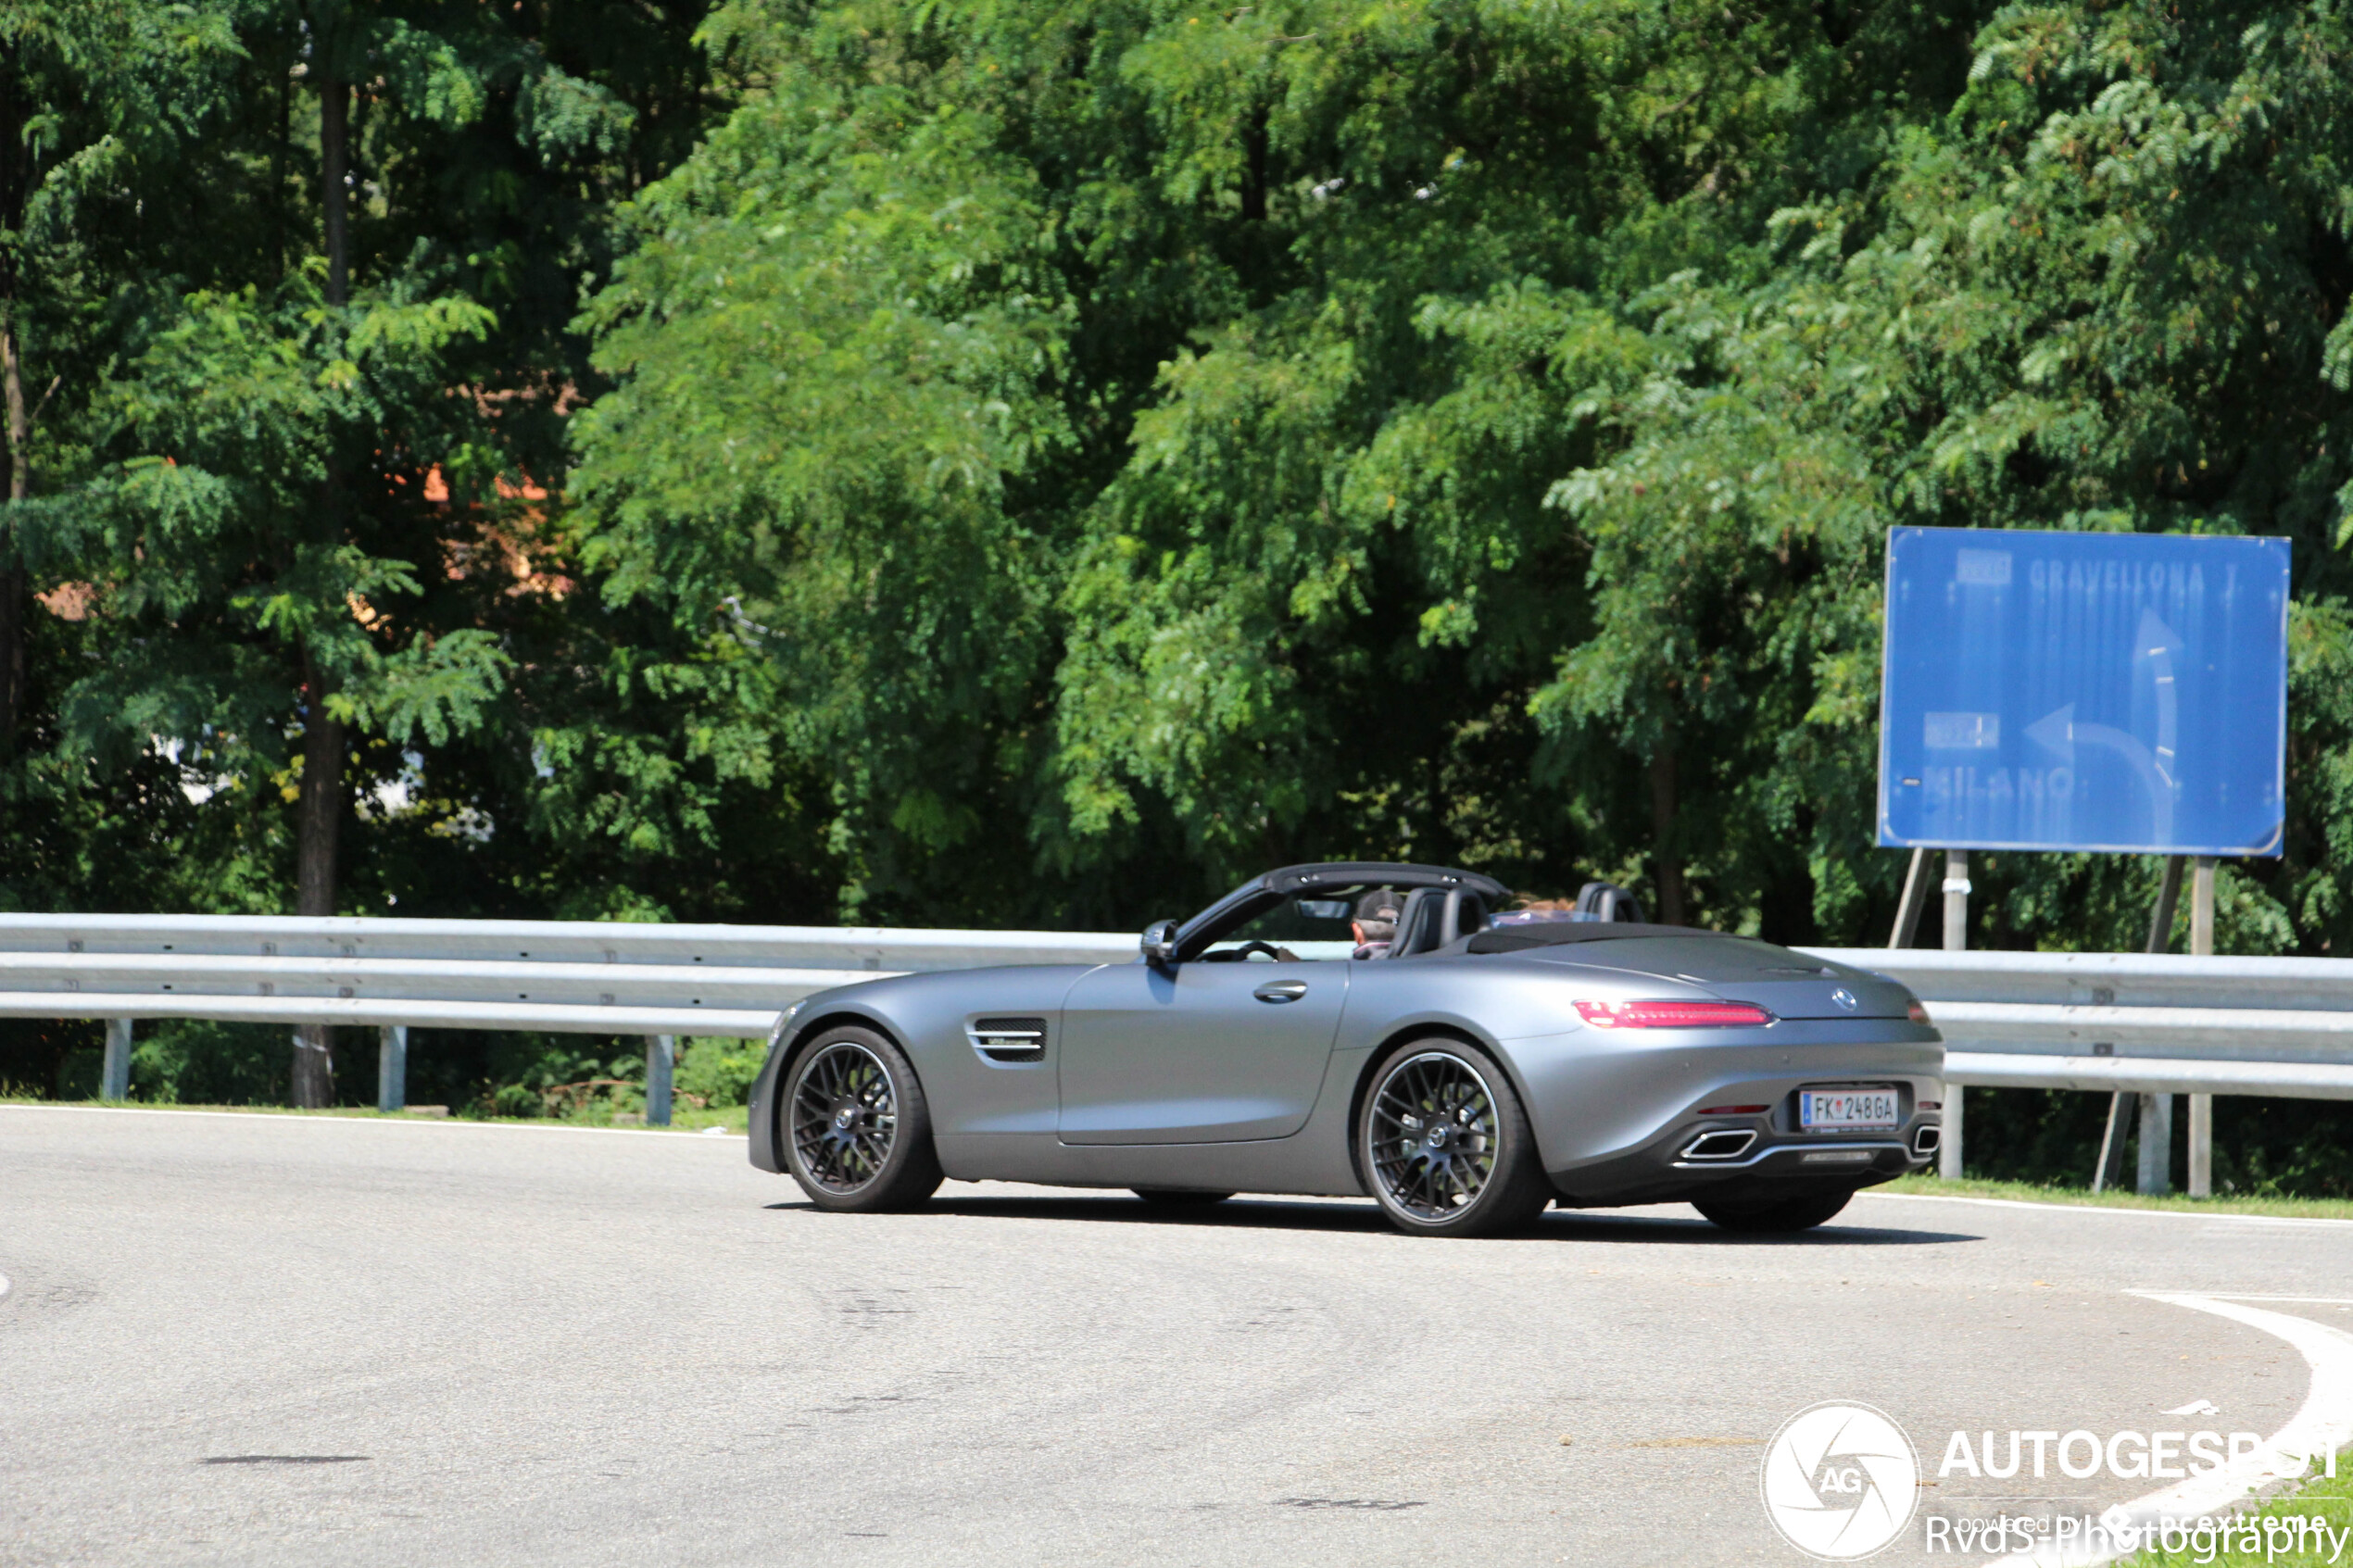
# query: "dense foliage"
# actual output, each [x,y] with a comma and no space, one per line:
[1036,463]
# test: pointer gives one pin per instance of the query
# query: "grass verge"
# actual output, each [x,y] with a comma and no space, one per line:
[2270,1536]
[2027,1192]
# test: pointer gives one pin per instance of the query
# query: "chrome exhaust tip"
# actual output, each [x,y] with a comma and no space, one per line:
[1926,1140]
[1724,1144]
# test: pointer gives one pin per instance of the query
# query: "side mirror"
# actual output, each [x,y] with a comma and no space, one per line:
[1160,943]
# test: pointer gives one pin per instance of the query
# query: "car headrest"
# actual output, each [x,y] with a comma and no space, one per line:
[1434,916]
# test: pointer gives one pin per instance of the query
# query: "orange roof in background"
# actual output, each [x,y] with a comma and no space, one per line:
[69,601]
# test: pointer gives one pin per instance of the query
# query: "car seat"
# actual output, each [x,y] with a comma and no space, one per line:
[1433,916]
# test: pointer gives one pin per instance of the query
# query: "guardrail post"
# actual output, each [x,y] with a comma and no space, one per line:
[392,1068]
[661,1057]
[2155,1173]
[1948,1141]
[114,1077]
[2201,1146]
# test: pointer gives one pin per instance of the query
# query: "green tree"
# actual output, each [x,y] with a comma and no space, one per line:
[1203,317]
[274,596]
[94,96]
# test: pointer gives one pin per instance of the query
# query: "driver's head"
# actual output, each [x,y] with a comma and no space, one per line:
[1377,915]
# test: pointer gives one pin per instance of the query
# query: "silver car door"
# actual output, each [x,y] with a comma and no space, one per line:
[1203,1053]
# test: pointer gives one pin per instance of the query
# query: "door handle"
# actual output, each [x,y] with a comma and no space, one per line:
[1281,991]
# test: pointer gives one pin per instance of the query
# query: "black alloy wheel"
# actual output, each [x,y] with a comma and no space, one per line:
[858,1132]
[1444,1145]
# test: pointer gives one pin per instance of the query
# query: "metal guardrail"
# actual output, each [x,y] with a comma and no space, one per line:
[2148,1023]
[566,976]
[561,976]
[2140,1027]
[2126,1021]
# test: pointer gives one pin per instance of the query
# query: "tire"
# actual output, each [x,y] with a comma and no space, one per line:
[1177,1198]
[853,1126]
[1444,1145]
[1786,1217]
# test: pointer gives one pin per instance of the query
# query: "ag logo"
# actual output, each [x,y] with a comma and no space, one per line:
[1840,1481]
[1844,999]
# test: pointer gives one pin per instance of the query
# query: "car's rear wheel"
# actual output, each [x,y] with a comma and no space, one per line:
[1179,1198]
[1783,1217]
[856,1133]
[1445,1146]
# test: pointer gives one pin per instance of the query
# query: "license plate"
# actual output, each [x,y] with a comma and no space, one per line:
[1847,1111]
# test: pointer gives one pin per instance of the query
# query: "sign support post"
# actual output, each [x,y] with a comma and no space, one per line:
[1957,891]
[1915,899]
[2202,1106]
[2169,895]
[2110,1170]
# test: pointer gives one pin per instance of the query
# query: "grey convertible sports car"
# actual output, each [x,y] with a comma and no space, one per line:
[1474,1070]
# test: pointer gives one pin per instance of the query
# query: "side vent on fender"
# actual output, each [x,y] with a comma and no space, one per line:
[1007,1039]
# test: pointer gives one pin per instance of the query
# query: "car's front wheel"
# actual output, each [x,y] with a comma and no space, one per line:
[1788,1215]
[856,1132]
[1445,1146]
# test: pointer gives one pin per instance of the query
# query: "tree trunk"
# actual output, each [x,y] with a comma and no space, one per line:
[317,827]
[334,147]
[14,604]
[319,810]
[1666,850]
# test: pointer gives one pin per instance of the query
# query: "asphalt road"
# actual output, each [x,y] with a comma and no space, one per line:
[268,1340]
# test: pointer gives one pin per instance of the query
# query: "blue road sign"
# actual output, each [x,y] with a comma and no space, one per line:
[2083,691]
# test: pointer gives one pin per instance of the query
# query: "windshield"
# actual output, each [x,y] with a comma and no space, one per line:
[1294,931]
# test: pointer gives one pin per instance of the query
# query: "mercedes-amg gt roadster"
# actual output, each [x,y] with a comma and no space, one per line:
[1472,1070]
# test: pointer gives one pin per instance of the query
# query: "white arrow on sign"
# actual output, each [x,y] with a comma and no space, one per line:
[2154,647]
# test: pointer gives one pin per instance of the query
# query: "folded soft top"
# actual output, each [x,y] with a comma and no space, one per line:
[1554,934]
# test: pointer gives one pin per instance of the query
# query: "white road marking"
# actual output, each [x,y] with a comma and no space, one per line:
[2323,1425]
[2100,1208]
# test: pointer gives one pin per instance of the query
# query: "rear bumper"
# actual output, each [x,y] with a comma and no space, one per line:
[1771,1169]
[1740,1139]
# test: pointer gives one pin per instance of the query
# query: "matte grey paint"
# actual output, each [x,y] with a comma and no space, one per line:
[1180,1076]
[1193,1053]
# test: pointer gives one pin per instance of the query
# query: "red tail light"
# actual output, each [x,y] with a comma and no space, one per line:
[1671,1015]
[1917,1014]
